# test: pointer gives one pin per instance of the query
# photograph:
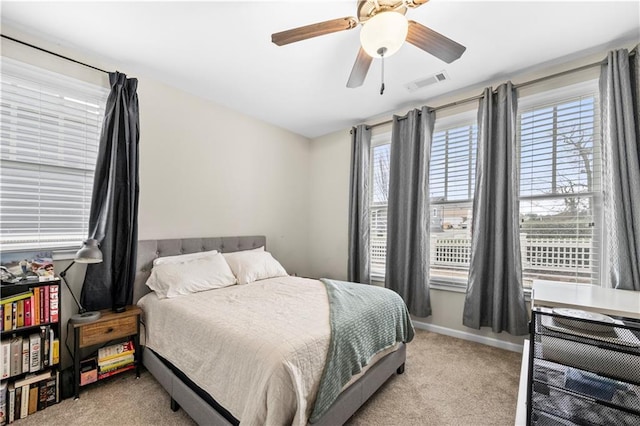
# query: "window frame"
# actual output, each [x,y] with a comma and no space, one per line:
[459,119]
[554,97]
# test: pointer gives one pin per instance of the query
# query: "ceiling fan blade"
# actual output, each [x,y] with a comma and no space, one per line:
[434,43]
[313,30]
[360,69]
[415,3]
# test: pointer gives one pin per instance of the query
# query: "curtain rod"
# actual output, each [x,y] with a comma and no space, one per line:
[53,53]
[526,83]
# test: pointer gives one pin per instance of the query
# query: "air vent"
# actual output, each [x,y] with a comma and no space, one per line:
[424,82]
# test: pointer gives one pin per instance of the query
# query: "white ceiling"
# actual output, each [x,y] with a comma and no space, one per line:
[222,51]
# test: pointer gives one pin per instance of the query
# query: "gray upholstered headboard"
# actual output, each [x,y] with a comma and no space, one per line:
[151,249]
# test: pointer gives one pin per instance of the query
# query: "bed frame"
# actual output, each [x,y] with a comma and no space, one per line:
[200,406]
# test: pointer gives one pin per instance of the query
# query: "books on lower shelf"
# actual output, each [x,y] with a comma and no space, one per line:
[33,393]
[115,351]
[29,353]
[38,305]
[117,371]
[113,359]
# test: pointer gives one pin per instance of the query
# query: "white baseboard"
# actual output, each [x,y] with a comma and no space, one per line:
[514,347]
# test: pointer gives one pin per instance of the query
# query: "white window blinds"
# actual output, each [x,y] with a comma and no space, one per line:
[50,127]
[559,141]
[451,188]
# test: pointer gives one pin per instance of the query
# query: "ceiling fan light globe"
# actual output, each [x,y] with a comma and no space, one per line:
[384,30]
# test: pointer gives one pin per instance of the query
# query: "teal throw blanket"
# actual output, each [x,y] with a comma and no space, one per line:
[365,319]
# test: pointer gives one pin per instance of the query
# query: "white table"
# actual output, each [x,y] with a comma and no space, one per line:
[607,301]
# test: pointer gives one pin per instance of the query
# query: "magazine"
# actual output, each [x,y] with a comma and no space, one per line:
[23,267]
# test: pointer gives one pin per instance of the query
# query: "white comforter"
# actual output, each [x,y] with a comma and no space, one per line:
[258,349]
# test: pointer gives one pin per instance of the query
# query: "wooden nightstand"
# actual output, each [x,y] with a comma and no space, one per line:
[110,326]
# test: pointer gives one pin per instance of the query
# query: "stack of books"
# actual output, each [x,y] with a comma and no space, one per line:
[115,359]
[33,393]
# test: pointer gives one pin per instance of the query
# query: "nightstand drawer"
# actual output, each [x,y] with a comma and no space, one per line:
[103,331]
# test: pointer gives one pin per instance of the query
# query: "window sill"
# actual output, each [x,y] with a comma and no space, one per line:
[453,286]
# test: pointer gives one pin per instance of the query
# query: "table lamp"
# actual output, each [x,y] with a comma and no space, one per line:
[88,253]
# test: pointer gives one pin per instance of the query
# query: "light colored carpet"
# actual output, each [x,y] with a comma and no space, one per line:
[447,381]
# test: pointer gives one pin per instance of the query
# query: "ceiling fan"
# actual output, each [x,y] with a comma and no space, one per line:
[384,30]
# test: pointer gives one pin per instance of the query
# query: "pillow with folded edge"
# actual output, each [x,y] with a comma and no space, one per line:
[254,265]
[175,279]
[180,258]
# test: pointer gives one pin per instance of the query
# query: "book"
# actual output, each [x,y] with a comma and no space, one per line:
[11,408]
[16,297]
[15,366]
[44,345]
[127,356]
[51,337]
[33,398]
[114,351]
[54,303]
[119,359]
[24,403]
[28,311]
[115,365]
[25,354]
[7,312]
[1,317]
[18,402]
[35,307]
[116,371]
[3,403]
[14,315]
[20,320]
[34,352]
[5,366]
[41,304]
[46,303]
[48,392]
[32,378]
[55,351]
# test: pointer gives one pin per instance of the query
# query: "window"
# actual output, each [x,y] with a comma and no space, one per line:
[452,180]
[560,185]
[560,189]
[49,142]
[379,165]
[451,188]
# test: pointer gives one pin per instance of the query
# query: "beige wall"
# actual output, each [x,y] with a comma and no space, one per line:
[209,171]
[330,158]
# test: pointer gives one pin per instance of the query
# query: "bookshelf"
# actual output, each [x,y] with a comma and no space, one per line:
[30,348]
[111,327]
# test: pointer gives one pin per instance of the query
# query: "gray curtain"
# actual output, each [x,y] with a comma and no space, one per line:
[620,99]
[358,266]
[494,294]
[407,265]
[113,219]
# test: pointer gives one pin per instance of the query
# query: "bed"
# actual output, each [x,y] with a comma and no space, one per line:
[191,389]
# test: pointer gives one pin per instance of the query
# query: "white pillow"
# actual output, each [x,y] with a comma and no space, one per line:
[251,265]
[183,257]
[175,279]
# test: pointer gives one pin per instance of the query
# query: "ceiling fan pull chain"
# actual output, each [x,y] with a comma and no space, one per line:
[381,52]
